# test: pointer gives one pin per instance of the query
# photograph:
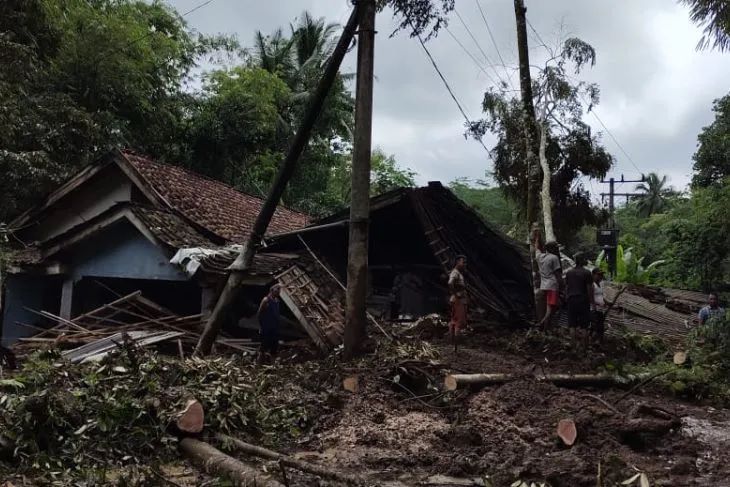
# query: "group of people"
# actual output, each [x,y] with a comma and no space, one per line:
[581,290]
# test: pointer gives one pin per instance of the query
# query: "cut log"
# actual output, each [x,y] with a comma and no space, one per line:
[215,462]
[567,431]
[680,358]
[191,419]
[351,384]
[461,381]
[312,468]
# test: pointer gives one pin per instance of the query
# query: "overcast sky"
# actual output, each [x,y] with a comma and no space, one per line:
[656,89]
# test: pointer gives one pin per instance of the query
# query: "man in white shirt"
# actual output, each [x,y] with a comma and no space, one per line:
[551,277]
[599,308]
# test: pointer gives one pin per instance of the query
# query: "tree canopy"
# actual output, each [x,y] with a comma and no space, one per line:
[712,159]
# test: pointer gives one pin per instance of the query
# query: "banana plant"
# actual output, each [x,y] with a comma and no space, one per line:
[629,268]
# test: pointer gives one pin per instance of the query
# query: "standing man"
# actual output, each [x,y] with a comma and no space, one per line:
[457,298]
[579,290]
[269,315]
[551,277]
[712,310]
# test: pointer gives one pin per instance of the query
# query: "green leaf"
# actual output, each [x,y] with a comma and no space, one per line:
[11,383]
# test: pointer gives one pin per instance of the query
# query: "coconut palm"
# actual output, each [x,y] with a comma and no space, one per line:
[714,15]
[654,194]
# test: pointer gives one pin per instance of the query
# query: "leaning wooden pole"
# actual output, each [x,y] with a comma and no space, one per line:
[215,462]
[357,253]
[243,262]
[529,125]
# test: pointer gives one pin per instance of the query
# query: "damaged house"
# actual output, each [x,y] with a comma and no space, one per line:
[129,226]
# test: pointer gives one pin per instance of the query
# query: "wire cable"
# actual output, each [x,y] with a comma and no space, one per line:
[476,42]
[473,58]
[494,42]
[448,87]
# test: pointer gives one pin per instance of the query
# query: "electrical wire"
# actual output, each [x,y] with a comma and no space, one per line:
[473,58]
[448,87]
[494,42]
[476,42]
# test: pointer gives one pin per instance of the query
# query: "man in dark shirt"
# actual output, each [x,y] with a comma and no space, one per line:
[579,290]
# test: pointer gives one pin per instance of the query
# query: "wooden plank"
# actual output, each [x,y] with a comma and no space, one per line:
[313,330]
[121,300]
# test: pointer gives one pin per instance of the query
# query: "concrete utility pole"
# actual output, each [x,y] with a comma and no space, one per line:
[529,124]
[357,252]
[239,269]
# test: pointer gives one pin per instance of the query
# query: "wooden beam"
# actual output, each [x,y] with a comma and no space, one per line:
[312,330]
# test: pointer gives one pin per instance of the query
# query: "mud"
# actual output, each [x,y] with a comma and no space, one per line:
[507,433]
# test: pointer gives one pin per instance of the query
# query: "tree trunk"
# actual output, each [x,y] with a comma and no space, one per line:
[462,381]
[289,461]
[547,203]
[357,253]
[531,137]
[244,260]
[215,462]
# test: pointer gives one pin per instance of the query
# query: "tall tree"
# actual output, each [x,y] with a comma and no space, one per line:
[714,15]
[567,147]
[654,194]
[712,159]
[78,77]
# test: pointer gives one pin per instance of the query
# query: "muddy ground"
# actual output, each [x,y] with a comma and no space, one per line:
[408,434]
[505,433]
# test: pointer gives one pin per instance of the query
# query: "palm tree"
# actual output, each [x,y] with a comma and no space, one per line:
[274,54]
[654,194]
[715,16]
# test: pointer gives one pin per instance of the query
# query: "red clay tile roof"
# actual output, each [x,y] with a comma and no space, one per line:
[169,228]
[211,204]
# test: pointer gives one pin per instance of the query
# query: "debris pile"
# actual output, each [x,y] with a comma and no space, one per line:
[129,318]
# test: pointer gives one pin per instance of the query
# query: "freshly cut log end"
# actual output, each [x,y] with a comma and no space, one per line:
[680,358]
[567,431]
[351,384]
[192,419]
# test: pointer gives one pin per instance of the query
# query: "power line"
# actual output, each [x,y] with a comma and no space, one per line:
[473,38]
[610,134]
[471,56]
[494,42]
[448,87]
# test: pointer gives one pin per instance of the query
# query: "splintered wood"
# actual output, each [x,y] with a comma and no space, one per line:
[132,314]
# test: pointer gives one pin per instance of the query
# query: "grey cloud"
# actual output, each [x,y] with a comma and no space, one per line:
[656,90]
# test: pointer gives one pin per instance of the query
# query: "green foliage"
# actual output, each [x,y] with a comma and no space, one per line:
[489,202]
[712,159]
[79,77]
[385,175]
[630,268]
[571,149]
[654,194]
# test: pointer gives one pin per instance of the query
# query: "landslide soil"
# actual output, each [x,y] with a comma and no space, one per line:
[508,432]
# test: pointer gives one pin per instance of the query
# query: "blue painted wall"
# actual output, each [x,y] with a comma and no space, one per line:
[119,251]
[27,291]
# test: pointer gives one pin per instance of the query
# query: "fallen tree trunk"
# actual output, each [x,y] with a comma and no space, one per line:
[312,468]
[453,382]
[216,462]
